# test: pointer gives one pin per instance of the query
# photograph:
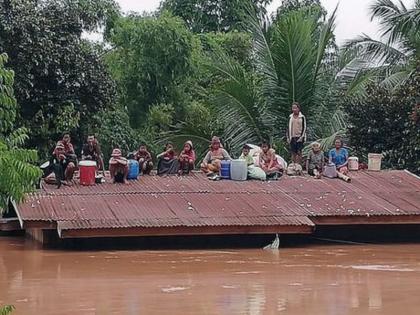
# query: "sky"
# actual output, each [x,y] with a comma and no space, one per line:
[352,18]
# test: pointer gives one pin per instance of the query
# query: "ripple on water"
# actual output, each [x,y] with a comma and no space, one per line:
[173,289]
[246,272]
[381,268]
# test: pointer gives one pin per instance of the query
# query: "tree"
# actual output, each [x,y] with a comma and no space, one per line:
[152,57]
[390,60]
[288,6]
[18,175]
[389,123]
[60,78]
[290,66]
[202,16]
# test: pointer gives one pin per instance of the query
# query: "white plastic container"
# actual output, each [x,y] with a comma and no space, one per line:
[330,171]
[238,170]
[353,163]
[374,162]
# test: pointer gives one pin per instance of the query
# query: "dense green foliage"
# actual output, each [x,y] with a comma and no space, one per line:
[203,16]
[60,79]
[151,58]
[18,176]
[6,310]
[388,123]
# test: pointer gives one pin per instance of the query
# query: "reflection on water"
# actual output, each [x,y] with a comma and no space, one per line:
[368,279]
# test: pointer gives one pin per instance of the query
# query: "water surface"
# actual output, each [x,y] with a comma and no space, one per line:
[343,279]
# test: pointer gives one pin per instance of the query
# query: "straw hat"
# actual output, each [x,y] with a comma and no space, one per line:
[215,139]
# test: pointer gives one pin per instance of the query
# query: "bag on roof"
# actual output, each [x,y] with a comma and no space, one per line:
[294,170]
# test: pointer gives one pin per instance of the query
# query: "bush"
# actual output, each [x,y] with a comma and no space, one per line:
[388,123]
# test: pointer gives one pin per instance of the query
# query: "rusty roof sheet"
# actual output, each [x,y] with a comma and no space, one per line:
[193,200]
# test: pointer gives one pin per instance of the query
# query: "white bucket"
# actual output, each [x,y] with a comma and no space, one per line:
[353,163]
[238,170]
[374,161]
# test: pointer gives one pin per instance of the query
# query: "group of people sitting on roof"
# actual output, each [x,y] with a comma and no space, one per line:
[263,162]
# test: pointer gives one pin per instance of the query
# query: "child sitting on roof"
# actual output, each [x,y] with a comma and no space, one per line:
[186,158]
[254,172]
[118,167]
[144,158]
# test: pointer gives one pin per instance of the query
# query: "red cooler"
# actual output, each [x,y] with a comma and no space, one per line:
[87,170]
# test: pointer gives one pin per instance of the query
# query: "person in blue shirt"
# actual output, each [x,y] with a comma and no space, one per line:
[339,156]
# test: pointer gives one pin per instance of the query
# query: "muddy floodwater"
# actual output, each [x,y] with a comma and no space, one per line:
[315,279]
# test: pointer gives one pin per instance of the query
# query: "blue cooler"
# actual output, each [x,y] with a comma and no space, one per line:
[133,169]
[225,169]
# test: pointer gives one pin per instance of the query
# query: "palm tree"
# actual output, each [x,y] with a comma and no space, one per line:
[290,65]
[391,60]
[291,62]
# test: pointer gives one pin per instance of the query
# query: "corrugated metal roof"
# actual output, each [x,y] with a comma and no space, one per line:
[195,201]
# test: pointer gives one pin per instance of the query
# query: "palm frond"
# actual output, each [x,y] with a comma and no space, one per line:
[327,34]
[244,115]
[395,80]
[262,57]
[375,51]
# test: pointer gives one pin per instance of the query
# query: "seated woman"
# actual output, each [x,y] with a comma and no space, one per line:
[254,172]
[144,158]
[167,161]
[212,161]
[118,167]
[315,160]
[269,163]
[339,156]
[62,166]
[186,158]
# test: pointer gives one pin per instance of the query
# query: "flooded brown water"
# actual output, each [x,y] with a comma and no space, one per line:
[362,279]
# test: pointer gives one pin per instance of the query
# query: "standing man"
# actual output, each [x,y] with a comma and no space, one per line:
[296,133]
[92,152]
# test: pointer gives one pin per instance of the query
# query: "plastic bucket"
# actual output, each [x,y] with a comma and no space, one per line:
[374,161]
[225,169]
[330,171]
[87,172]
[133,169]
[353,163]
[238,170]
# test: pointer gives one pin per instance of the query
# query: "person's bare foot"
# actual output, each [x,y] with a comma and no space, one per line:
[125,181]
